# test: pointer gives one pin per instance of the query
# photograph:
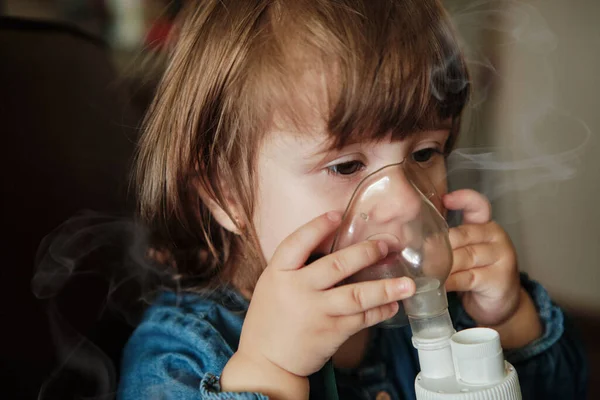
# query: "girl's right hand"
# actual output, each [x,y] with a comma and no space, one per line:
[298,318]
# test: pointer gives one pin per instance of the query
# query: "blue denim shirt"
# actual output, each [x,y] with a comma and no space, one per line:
[184,341]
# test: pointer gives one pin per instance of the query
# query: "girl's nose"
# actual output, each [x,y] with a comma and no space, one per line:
[399,201]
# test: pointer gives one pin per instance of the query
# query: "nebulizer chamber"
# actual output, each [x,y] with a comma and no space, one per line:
[398,204]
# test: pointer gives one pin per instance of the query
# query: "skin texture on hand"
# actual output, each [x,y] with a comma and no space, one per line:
[298,317]
[486,275]
[243,374]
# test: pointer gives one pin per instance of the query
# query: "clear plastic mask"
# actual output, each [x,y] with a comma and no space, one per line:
[398,204]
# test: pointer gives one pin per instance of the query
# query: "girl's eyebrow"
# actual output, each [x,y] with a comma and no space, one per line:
[325,148]
[444,126]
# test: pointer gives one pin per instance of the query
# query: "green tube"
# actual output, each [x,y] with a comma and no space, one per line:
[330,384]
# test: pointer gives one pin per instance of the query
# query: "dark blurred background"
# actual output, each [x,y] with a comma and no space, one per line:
[76,77]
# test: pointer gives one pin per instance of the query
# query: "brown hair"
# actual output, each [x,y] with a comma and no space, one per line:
[389,66]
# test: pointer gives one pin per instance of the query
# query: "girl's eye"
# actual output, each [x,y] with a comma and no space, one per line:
[425,155]
[346,168]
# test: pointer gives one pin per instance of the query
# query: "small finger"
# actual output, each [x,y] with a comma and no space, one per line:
[463,281]
[296,248]
[474,256]
[332,269]
[476,207]
[480,280]
[360,297]
[465,235]
[357,322]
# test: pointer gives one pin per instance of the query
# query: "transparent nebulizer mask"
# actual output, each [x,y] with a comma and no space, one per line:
[398,205]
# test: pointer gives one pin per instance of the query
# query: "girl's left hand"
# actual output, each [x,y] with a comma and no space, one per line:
[485,263]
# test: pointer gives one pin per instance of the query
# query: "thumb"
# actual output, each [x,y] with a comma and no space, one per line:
[293,252]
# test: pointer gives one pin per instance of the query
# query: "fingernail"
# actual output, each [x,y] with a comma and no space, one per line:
[403,285]
[334,216]
[383,247]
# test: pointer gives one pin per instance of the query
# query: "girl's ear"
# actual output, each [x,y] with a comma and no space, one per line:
[229,222]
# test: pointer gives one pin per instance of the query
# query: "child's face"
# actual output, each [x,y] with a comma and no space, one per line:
[300,178]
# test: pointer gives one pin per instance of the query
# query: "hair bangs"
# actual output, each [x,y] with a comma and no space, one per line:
[381,67]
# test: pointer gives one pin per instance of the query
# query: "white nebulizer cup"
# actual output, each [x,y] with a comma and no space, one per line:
[398,204]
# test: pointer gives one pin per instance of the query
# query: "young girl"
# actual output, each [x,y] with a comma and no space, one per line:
[267,118]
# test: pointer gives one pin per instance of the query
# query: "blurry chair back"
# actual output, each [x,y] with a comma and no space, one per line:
[68,134]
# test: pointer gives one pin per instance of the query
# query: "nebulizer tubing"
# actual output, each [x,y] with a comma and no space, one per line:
[398,204]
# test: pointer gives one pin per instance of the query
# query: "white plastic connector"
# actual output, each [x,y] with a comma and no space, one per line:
[435,359]
[431,338]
